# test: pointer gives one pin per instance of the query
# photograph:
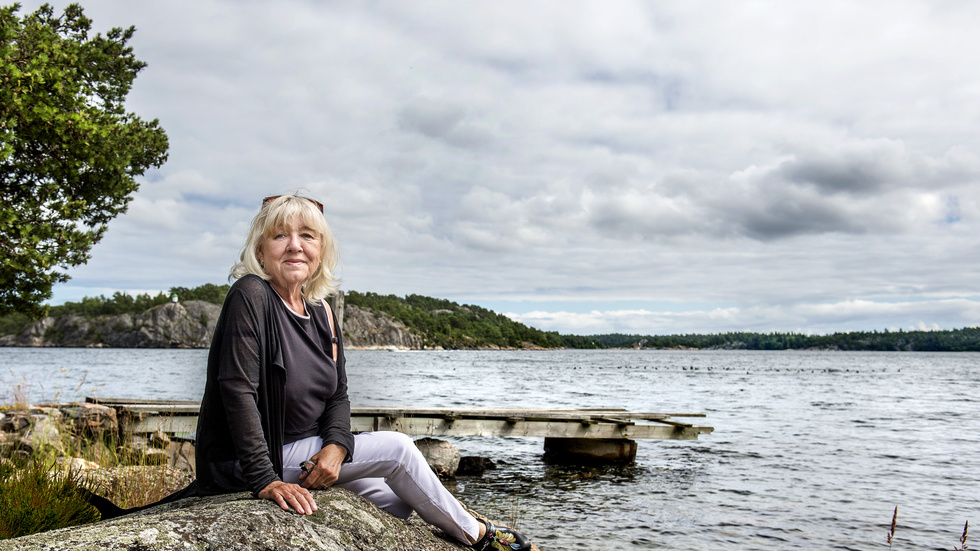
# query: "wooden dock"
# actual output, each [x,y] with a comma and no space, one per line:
[608,434]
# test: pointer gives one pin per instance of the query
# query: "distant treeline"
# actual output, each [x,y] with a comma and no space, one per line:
[450,325]
[956,340]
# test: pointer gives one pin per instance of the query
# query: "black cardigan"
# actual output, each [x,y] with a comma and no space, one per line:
[240,427]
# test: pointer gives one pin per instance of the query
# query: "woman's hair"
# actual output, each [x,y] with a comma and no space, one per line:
[275,215]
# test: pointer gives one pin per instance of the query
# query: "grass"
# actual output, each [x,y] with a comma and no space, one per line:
[39,497]
[44,491]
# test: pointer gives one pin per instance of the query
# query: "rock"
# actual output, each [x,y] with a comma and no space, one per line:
[159,439]
[91,419]
[344,521]
[365,328]
[182,456]
[140,482]
[45,434]
[442,456]
[191,324]
[14,444]
[77,464]
[16,421]
[173,325]
[472,464]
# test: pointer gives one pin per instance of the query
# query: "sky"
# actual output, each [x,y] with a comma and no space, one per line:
[613,166]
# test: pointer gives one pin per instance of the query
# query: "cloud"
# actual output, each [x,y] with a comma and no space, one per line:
[741,160]
[813,318]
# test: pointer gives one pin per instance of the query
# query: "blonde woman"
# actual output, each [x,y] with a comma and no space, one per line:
[275,418]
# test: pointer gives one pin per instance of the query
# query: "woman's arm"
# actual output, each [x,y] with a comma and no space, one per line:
[334,422]
[240,383]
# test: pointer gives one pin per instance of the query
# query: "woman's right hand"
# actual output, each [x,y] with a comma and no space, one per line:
[289,495]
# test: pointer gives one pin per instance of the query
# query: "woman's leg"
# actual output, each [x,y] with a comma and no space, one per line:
[373,489]
[390,471]
[395,458]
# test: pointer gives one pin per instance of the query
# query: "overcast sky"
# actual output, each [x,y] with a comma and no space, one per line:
[585,167]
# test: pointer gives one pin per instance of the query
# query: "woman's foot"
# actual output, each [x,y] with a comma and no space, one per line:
[501,538]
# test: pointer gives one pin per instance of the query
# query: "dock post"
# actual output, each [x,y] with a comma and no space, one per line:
[590,450]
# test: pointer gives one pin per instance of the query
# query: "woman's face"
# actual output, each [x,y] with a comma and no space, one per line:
[290,254]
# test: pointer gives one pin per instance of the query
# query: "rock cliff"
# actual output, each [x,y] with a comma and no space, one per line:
[174,325]
[343,522]
[191,324]
[365,328]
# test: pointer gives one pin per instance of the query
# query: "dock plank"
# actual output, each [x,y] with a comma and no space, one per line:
[147,416]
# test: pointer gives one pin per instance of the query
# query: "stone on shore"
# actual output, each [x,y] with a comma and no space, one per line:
[441,456]
[343,522]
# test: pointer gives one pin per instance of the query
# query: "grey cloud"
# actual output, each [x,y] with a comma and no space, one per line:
[865,167]
[443,122]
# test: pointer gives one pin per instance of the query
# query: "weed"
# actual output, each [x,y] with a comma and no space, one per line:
[966,529]
[36,498]
[891,533]
[46,490]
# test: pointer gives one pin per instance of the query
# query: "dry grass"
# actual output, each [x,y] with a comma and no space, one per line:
[46,489]
[890,535]
[966,530]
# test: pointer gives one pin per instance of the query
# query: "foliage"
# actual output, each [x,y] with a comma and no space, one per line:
[444,323]
[450,325]
[69,151]
[117,304]
[36,499]
[208,292]
[956,340]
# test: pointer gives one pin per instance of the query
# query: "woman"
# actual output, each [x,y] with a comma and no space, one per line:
[275,418]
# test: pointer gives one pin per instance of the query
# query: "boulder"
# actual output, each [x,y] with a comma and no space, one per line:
[91,419]
[442,456]
[45,434]
[344,521]
[16,421]
[472,464]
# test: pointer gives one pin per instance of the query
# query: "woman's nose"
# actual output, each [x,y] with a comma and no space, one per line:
[295,243]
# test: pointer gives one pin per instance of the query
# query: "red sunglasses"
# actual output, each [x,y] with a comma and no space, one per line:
[272,198]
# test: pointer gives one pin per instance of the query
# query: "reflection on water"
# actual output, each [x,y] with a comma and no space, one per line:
[811,450]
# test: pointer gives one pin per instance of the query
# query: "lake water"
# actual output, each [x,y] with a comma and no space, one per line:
[811,450]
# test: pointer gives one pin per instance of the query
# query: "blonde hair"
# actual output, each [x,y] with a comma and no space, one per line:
[276,215]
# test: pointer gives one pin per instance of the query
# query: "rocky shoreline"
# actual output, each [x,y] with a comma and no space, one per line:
[344,521]
[191,324]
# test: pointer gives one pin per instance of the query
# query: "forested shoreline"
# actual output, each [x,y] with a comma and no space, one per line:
[446,324]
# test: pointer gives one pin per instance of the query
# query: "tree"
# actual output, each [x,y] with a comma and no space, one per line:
[69,152]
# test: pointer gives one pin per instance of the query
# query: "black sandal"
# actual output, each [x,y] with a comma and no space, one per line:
[502,538]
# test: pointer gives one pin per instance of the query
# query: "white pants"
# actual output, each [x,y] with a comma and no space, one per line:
[390,471]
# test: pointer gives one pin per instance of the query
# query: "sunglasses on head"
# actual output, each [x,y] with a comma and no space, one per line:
[267,200]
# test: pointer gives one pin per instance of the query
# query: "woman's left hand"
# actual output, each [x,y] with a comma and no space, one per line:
[326,467]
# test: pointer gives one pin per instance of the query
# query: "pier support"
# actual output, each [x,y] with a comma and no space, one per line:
[590,450]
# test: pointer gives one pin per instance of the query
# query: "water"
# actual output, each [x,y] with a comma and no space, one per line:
[811,450]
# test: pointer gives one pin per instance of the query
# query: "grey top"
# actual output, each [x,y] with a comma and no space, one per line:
[311,371]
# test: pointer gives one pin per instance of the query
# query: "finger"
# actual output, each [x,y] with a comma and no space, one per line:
[305,500]
[299,503]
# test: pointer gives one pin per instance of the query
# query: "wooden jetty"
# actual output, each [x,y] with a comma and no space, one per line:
[607,434]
